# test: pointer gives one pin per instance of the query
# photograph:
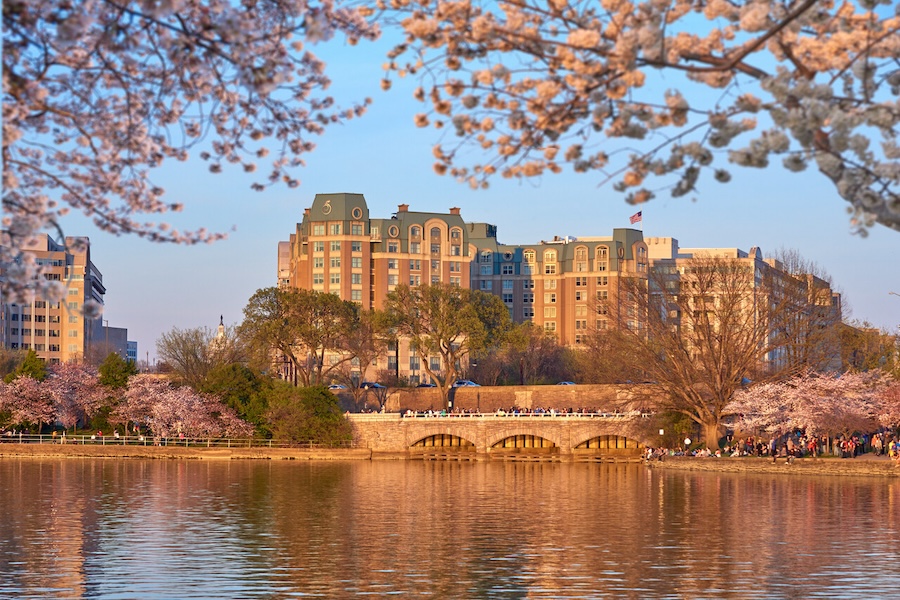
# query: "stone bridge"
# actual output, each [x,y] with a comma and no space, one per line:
[558,437]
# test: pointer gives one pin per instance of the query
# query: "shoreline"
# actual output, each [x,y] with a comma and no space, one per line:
[863,466]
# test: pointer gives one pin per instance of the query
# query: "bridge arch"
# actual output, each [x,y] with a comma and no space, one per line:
[523,441]
[550,438]
[443,440]
[611,444]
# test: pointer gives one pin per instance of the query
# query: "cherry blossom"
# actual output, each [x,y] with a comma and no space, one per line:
[532,87]
[98,93]
[75,391]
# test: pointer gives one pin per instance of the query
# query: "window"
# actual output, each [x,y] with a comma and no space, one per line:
[602,258]
[415,248]
[335,229]
[550,326]
[415,265]
[392,280]
[528,284]
[434,363]
[580,296]
[319,246]
[549,298]
[581,310]
[335,262]
[602,294]
[72,332]
[455,266]
[73,348]
[435,279]
[15,316]
[549,269]
[549,312]
[318,278]
[392,263]
[435,248]
[415,280]
[603,280]
[73,291]
[335,246]
[484,285]
[356,229]
[356,295]
[485,256]
[393,247]
[581,324]
[581,253]
[413,363]
[550,256]
[455,234]
[415,231]
[14,331]
[26,318]
[528,256]
[335,278]
[528,312]
[549,284]
[356,246]
[485,270]
[319,229]
[319,262]
[506,269]
[356,262]
[527,269]
[508,297]
[374,233]
[356,278]
[73,318]
[507,284]
[40,332]
[456,281]
[40,304]
[40,319]
[581,282]
[72,305]
[528,298]
[455,251]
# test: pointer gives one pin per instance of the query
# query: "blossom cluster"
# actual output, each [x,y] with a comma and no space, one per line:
[535,85]
[98,93]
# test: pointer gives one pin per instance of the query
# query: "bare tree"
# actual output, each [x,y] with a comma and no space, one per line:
[193,353]
[704,328]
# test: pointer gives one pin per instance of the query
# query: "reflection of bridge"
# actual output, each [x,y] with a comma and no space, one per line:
[563,437]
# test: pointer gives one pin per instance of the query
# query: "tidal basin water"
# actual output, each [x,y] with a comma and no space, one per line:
[94,528]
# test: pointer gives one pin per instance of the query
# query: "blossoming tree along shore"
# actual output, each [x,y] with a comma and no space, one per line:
[536,84]
[98,93]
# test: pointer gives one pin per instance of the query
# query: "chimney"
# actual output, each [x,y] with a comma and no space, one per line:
[306,212]
[454,211]
[402,208]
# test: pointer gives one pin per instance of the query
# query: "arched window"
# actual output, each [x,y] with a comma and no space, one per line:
[415,231]
[550,256]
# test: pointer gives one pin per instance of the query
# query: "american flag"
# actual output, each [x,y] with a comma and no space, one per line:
[636,217]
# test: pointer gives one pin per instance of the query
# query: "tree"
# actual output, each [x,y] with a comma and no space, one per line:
[446,321]
[243,390]
[307,415]
[700,328]
[193,353]
[819,404]
[177,76]
[114,371]
[302,326]
[169,411]
[535,84]
[528,355]
[76,393]
[27,402]
[31,366]
[367,339]
[864,347]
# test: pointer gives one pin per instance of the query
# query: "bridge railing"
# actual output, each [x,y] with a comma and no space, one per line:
[527,415]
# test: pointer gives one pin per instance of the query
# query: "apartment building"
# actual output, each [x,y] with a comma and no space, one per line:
[58,331]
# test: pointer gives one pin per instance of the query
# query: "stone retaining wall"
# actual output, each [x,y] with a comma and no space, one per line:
[863,466]
[174,452]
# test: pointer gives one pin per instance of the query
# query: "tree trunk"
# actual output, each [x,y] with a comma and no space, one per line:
[712,433]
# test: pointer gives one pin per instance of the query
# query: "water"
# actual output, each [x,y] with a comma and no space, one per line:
[82,528]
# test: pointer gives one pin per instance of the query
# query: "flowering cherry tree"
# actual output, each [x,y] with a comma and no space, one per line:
[75,391]
[170,411]
[537,84]
[28,402]
[98,93]
[889,415]
[818,404]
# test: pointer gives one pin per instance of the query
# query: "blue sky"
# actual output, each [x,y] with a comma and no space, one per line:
[153,287]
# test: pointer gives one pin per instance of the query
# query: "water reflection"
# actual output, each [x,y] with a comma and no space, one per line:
[196,529]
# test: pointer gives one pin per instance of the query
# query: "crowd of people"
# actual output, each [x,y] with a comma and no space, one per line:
[794,445]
